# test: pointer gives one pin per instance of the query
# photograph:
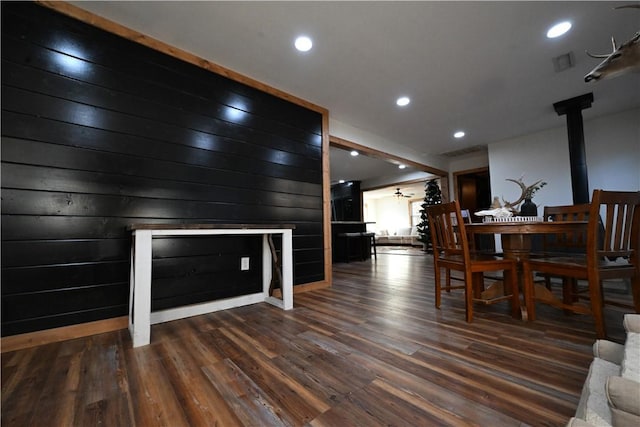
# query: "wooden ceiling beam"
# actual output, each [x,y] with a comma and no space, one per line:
[345,144]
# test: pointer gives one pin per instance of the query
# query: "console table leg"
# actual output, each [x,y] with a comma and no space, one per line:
[287,269]
[140,324]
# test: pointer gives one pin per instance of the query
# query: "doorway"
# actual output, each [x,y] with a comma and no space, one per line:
[473,189]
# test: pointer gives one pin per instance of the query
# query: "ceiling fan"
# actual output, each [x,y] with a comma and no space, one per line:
[399,194]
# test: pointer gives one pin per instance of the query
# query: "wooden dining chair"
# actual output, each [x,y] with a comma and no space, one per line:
[451,251]
[613,241]
[565,243]
[466,218]
[571,242]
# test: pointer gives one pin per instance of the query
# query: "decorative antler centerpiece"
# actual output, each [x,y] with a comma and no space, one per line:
[527,193]
[509,209]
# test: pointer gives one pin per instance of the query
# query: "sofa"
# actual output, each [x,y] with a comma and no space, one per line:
[402,236]
[611,393]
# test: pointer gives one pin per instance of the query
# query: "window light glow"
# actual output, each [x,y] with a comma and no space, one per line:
[303,44]
[559,29]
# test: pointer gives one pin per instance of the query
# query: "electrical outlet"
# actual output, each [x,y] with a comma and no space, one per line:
[244,263]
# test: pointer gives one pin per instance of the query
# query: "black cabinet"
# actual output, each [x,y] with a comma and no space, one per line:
[350,241]
[346,202]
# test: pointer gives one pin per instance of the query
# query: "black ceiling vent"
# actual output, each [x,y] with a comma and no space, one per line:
[463,151]
[564,62]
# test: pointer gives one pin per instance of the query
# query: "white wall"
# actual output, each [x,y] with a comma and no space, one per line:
[543,155]
[612,145]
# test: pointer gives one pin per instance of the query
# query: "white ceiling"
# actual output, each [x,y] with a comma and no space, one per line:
[371,171]
[485,67]
[360,168]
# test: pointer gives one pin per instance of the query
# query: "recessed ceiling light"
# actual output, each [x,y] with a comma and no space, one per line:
[354,153]
[458,134]
[303,44]
[402,101]
[558,29]
[402,166]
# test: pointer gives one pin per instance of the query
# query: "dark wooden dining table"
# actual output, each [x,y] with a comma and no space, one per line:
[516,239]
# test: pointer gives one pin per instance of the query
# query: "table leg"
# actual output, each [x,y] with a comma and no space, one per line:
[286,273]
[518,247]
[287,269]
[140,298]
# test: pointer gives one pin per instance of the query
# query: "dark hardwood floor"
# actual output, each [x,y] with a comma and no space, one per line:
[371,351]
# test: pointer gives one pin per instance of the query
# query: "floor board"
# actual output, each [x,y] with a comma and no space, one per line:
[370,351]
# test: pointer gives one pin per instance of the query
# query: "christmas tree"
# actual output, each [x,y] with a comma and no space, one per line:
[432,196]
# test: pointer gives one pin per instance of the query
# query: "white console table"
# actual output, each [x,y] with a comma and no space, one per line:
[140,316]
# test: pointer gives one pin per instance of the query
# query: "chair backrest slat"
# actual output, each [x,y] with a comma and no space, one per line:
[628,223]
[566,242]
[635,232]
[620,236]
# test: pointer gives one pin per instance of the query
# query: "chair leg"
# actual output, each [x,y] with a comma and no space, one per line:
[635,291]
[478,285]
[595,292]
[373,245]
[529,291]
[469,281]
[511,278]
[347,249]
[569,288]
[437,286]
[447,280]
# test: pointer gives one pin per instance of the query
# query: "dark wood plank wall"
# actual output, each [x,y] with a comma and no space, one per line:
[99,132]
